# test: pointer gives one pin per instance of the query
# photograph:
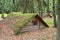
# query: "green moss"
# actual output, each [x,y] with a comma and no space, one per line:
[49,21]
[20,20]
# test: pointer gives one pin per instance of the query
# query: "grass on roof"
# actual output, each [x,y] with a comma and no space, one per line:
[19,20]
[49,21]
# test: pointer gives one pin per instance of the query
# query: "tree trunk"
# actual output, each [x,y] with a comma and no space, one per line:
[32,6]
[13,5]
[3,8]
[48,6]
[25,6]
[2,13]
[39,7]
[54,14]
[58,12]
[58,33]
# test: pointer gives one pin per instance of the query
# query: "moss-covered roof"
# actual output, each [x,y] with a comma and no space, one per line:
[19,20]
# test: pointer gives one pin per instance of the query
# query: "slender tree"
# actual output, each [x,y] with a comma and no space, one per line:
[31,6]
[58,12]
[54,14]
[48,6]
[3,3]
[14,8]
[25,5]
[39,7]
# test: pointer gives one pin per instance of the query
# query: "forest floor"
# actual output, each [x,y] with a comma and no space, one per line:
[40,34]
[6,33]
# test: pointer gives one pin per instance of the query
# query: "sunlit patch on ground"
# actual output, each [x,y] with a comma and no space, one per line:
[5,15]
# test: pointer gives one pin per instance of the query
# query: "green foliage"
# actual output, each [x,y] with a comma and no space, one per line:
[1,5]
[7,5]
[51,4]
[29,6]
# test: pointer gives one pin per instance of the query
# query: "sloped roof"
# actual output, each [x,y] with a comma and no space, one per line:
[42,20]
[18,20]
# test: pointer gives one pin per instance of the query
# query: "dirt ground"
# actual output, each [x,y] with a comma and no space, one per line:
[6,33]
[41,34]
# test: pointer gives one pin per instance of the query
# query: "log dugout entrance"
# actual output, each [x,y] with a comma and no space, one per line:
[34,24]
[38,21]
